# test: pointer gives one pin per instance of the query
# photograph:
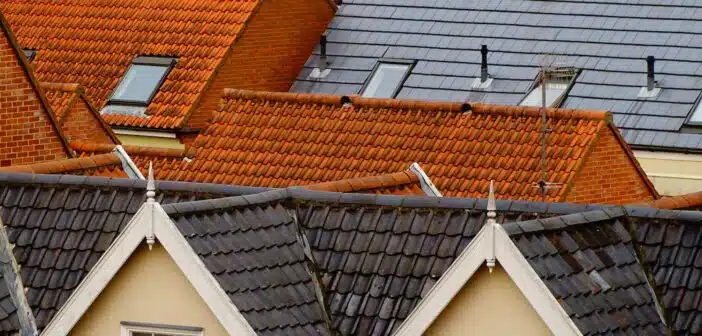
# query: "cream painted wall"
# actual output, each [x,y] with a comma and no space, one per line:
[137,140]
[149,288]
[672,173]
[489,304]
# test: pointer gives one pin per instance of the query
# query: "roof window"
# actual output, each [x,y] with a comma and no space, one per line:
[696,117]
[558,81]
[141,81]
[386,79]
[29,54]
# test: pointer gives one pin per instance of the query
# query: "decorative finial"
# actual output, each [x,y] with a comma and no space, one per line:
[150,185]
[490,261]
[151,199]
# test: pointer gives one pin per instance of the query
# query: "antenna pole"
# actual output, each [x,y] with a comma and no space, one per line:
[544,131]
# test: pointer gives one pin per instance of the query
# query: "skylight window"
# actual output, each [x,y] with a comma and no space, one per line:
[696,116]
[29,54]
[558,80]
[386,80]
[141,81]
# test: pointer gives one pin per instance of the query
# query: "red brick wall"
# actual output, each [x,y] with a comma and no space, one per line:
[26,133]
[81,124]
[609,176]
[270,53]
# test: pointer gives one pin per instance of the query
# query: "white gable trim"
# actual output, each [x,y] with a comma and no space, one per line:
[149,216]
[127,164]
[491,242]
[424,181]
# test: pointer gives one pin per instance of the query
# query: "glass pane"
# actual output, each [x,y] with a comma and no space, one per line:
[137,333]
[553,92]
[139,82]
[697,113]
[385,80]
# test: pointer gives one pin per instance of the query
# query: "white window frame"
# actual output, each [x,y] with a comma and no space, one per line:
[388,62]
[550,85]
[696,110]
[127,328]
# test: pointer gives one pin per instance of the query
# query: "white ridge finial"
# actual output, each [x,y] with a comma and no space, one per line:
[491,208]
[150,185]
[490,261]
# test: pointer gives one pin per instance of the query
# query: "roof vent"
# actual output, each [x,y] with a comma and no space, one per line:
[466,108]
[321,71]
[345,101]
[651,90]
[484,81]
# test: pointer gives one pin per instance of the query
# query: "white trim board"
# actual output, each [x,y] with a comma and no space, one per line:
[424,181]
[492,241]
[127,164]
[149,215]
[145,133]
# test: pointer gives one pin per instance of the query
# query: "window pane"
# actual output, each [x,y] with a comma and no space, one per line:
[136,333]
[139,83]
[697,113]
[385,80]
[553,92]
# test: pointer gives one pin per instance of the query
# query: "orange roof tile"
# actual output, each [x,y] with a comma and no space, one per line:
[108,165]
[63,97]
[691,201]
[287,139]
[93,43]
[399,183]
[164,159]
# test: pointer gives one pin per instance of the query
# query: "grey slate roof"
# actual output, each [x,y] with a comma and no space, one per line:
[61,225]
[256,256]
[590,264]
[607,39]
[379,255]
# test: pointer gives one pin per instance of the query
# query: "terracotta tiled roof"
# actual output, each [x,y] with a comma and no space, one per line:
[93,43]
[400,183]
[64,97]
[691,201]
[108,165]
[286,139]
[164,159]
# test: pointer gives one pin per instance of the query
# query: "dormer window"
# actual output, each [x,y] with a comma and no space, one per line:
[557,81]
[386,79]
[29,54]
[141,81]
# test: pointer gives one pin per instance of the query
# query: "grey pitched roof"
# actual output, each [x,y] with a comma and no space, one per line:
[590,264]
[379,255]
[255,255]
[61,225]
[608,40]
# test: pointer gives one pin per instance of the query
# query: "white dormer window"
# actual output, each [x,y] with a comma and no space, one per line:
[558,80]
[386,80]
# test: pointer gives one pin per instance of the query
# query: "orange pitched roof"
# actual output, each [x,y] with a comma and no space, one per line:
[164,159]
[108,165]
[287,139]
[63,98]
[28,131]
[399,183]
[688,201]
[93,43]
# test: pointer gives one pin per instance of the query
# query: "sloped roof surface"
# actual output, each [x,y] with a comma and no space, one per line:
[589,263]
[163,159]
[691,201]
[608,40]
[399,183]
[61,225]
[108,165]
[284,139]
[93,43]
[255,255]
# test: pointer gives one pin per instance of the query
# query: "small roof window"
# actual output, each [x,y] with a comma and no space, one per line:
[558,81]
[141,81]
[696,117]
[29,54]
[387,78]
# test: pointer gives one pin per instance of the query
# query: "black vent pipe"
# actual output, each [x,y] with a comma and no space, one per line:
[483,64]
[650,73]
